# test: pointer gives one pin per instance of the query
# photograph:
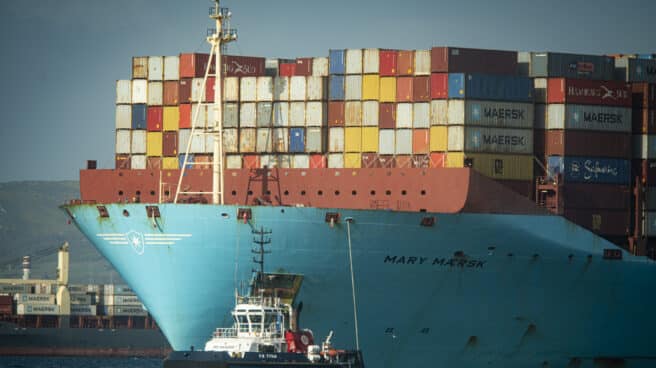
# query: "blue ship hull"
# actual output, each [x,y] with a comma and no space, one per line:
[472,290]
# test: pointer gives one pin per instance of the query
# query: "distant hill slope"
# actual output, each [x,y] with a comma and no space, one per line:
[31,223]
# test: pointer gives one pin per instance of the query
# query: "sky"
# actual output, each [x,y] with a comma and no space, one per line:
[61,58]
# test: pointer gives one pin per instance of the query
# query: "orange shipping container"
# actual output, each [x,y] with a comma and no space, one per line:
[171,93]
[406,63]
[437,159]
[403,161]
[336,113]
[184,111]
[317,161]
[154,163]
[420,141]
[404,89]
[251,161]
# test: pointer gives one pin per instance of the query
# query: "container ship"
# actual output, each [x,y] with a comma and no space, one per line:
[497,203]
[55,318]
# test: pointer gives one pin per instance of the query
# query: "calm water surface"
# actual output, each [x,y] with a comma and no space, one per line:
[59,362]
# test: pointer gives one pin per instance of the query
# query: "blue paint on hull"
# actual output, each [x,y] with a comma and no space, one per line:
[532,289]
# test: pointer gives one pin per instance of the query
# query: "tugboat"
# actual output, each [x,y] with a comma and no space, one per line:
[263,335]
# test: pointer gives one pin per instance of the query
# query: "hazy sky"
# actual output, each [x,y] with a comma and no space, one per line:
[60,58]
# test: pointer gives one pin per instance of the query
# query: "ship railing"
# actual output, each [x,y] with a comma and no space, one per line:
[225,332]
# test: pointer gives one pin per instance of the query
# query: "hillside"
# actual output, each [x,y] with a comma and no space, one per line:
[31,223]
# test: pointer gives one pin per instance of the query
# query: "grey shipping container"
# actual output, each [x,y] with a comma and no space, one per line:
[553,64]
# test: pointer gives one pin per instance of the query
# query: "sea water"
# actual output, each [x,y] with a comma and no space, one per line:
[77,362]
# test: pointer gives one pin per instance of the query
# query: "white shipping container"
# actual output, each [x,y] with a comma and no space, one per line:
[138,144]
[404,115]
[281,114]
[200,120]
[353,87]
[386,141]
[280,139]
[421,115]
[230,115]
[264,89]
[588,117]
[316,88]
[183,141]
[197,144]
[78,289]
[320,66]
[230,141]
[264,139]
[210,120]
[209,143]
[13,289]
[422,62]
[297,90]
[247,140]
[123,91]
[301,161]
[264,111]
[139,91]
[123,141]
[29,298]
[314,139]
[81,299]
[83,310]
[197,90]
[231,89]
[33,309]
[403,142]
[117,289]
[155,93]
[439,112]
[248,89]
[43,289]
[297,114]
[353,61]
[248,115]
[336,139]
[336,160]
[124,310]
[171,67]
[138,162]
[281,89]
[123,116]
[491,113]
[353,113]
[490,140]
[155,68]
[281,161]
[233,161]
[315,114]
[371,63]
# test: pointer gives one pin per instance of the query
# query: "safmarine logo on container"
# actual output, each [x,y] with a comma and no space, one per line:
[592,170]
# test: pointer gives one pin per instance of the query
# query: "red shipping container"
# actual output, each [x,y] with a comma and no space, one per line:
[304,66]
[154,163]
[287,69]
[421,89]
[587,143]
[370,160]
[437,159]
[122,162]
[404,89]
[600,221]
[185,116]
[170,144]
[318,162]
[194,65]
[439,86]
[461,60]
[336,113]
[154,119]
[184,91]
[588,92]
[387,63]
[171,93]
[421,161]
[6,300]
[387,116]
[209,89]
[644,95]
[405,62]
[420,141]
[251,161]
[242,66]
[386,161]
[403,161]
[643,121]
[202,162]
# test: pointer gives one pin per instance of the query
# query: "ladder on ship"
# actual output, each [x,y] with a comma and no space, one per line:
[218,38]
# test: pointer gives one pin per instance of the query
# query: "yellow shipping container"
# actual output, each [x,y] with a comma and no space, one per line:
[170,163]
[438,138]
[171,118]
[352,139]
[388,89]
[352,160]
[370,87]
[154,144]
[370,139]
[496,166]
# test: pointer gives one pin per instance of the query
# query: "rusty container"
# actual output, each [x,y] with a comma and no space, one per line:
[439,86]
[421,91]
[122,162]
[369,160]
[170,144]
[463,60]
[587,143]
[387,115]
[154,163]
[336,113]
[193,65]
[304,66]
[387,60]
[405,61]
[404,91]
[184,90]
[171,93]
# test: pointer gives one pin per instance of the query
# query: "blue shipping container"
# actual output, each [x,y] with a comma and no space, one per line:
[590,169]
[336,62]
[490,87]
[297,140]
[336,87]
[139,116]
[190,160]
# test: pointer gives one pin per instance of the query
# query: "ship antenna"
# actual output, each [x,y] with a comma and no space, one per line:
[218,38]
